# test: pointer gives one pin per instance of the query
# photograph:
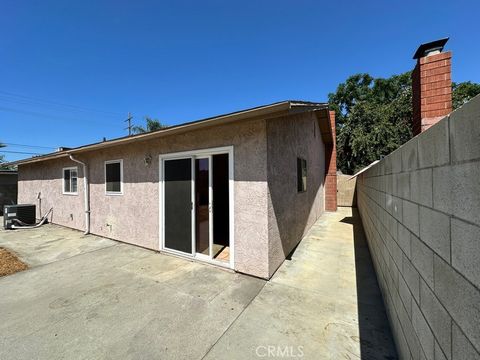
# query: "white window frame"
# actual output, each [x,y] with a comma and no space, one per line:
[120,161]
[63,180]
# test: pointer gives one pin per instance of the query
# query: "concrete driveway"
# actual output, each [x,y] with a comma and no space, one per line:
[87,297]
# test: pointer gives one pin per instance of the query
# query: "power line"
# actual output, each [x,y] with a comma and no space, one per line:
[29,98]
[45,116]
[29,146]
[50,107]
[19,152]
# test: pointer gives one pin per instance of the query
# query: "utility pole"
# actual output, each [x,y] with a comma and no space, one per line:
[129,127]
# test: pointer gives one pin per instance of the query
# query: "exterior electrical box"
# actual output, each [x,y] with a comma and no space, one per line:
[23,212]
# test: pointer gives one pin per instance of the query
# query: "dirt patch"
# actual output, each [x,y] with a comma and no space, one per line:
[10,263]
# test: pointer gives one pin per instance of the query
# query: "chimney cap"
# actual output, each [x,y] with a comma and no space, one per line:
[426,48]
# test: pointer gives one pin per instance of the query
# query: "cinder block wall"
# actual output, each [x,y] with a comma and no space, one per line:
[346,194]
[420,208]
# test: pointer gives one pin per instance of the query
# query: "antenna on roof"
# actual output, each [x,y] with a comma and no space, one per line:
[129,127]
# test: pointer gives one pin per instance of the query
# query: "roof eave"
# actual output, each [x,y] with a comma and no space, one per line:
[263,112]
[326,132]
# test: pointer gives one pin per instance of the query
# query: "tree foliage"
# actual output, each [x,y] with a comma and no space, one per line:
[374,116]
[2,159]
[463,92]
[151,125]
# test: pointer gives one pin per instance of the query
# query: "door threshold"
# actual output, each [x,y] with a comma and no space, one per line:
[197,258]
[213,262]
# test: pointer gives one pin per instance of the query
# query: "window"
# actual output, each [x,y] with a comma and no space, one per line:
[301,175]
[70,180]
[114,177]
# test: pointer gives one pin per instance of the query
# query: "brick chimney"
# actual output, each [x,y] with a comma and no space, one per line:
[331,168]
[431,85]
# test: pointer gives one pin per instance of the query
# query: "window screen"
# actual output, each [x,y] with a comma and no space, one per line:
[301,175]
[70,179]
[113,177]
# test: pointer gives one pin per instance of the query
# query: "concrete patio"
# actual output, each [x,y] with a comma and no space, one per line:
[89,297]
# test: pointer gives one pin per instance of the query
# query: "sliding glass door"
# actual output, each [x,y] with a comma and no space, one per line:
[178,205]
[195,203]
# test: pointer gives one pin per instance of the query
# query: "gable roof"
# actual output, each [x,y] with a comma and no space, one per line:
[261,112]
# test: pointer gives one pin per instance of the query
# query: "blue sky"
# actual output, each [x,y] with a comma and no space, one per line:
[184,60]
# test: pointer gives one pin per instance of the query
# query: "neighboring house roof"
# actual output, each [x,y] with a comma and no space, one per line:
[261,112]
[8,172]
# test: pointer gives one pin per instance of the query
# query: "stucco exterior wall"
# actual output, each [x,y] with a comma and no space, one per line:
[46,181]
[134,216]
[290,213]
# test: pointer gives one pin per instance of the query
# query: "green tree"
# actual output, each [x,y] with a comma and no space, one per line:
[2,159]
[374,116]
[151,125]
[3,162]
[463,92]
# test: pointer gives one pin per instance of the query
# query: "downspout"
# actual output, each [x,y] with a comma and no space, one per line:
[86,193]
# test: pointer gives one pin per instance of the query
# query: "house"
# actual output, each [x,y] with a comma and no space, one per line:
[8,188]
[237,190]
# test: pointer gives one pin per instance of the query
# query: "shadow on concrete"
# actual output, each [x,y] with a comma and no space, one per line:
[290,255]
[376,340]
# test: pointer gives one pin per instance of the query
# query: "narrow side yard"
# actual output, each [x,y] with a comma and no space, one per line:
[324,303]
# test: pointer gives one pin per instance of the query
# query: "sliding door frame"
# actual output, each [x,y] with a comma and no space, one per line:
[193,154]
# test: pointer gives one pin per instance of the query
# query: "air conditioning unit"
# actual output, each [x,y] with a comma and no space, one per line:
[22,212]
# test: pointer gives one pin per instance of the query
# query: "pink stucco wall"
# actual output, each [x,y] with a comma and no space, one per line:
[290,213]
[262,212]
[133,217]
[46,178]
